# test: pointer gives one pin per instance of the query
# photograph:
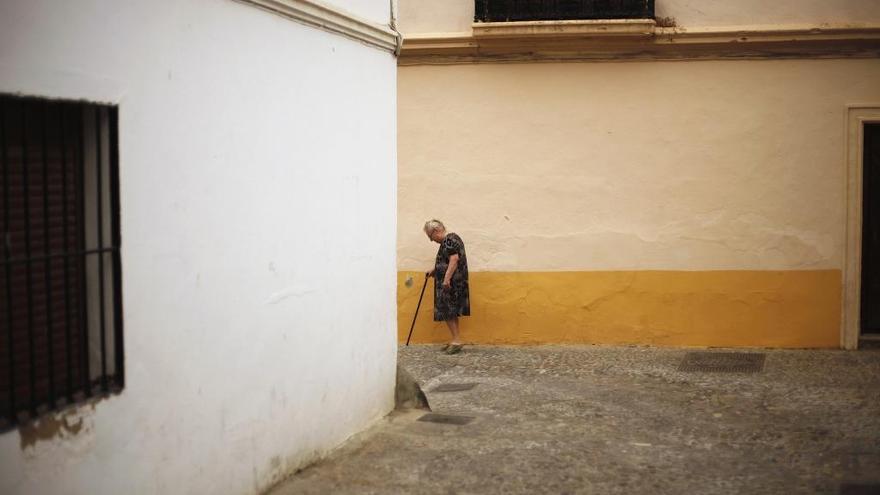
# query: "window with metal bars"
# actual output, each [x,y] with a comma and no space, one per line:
[60,278]
[559,10]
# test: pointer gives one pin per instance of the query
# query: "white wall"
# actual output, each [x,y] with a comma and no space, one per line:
[258,189]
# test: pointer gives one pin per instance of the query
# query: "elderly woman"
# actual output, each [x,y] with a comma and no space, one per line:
[451,295]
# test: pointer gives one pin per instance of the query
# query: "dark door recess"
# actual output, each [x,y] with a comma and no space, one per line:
[870,317]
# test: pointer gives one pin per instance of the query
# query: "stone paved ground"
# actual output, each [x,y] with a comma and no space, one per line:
[589,419]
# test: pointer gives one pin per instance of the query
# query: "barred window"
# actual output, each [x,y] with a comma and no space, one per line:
[60,280]
[550,10]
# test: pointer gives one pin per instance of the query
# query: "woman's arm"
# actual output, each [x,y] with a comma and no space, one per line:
[453,264]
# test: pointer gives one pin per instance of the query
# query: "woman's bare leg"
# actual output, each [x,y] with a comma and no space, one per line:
[453,329]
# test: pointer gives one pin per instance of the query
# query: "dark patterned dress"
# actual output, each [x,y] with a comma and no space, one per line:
[455,301]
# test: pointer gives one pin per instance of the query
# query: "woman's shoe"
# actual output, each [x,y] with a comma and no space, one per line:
[453,349]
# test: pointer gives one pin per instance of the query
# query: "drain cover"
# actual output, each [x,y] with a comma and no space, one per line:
[860,489]
[446,419]
[723,362]
[453,387]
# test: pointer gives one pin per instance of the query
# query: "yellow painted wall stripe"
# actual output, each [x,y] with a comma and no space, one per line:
[786,309]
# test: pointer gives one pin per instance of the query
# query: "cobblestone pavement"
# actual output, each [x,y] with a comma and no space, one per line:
[597,419]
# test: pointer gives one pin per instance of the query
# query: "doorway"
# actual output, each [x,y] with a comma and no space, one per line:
[870,296]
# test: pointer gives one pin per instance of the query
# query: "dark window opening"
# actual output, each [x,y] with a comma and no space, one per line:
[60,280]
[558,10]
[870,296]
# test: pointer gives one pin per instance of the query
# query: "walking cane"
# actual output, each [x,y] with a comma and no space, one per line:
[417,310]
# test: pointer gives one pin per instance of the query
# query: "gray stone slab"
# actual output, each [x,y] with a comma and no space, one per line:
[722,362]
[453,387]
[446,419]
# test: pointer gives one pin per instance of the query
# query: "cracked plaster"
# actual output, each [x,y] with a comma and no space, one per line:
[574,167]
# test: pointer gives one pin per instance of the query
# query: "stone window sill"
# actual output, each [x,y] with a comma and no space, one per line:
[603,28]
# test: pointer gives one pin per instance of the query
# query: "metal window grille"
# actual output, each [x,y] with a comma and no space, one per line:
[558,10]
[60,278]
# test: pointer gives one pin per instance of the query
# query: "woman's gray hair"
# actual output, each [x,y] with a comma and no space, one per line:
[432,225]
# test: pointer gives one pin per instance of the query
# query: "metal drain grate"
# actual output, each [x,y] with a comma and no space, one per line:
[722,362]
[446,419]
[860,489]
[453,387]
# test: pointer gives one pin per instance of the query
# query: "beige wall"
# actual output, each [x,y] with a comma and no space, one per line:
[693,13]
[678,202]
[629,166]
[436,16]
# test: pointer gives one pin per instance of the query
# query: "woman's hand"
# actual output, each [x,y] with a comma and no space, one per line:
[429,274]
[447,284]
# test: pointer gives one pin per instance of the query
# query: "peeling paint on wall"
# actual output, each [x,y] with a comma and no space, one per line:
[53,427]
